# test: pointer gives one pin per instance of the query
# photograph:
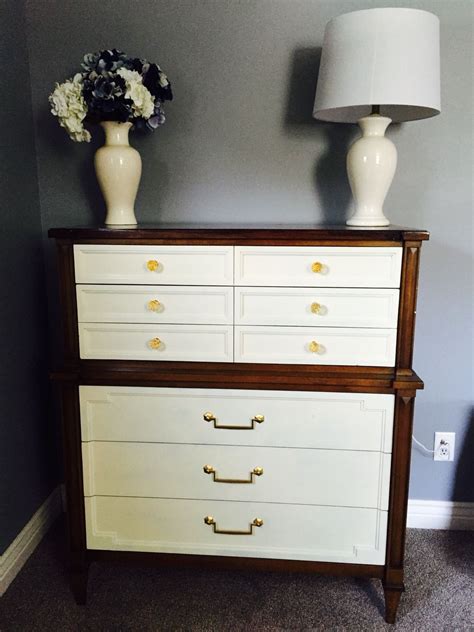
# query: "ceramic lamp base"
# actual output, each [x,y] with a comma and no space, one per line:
[371,164]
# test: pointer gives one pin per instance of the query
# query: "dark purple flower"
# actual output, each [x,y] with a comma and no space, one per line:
[157,118]
[157,83]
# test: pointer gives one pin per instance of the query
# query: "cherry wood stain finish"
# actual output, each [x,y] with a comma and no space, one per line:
[400,380]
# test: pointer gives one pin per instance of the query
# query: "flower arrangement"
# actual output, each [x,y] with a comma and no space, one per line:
[112,87]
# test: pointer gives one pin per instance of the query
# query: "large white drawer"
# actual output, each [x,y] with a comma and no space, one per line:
[346,421]
[333,266]
[318,307]
[151,265]
[155,304]
[299,532]
[315,345]
[309,477]
[191,343]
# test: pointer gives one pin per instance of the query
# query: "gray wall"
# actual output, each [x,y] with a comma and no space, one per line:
[240,145]
[28,471]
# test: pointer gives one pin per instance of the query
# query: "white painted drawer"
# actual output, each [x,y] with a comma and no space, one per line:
[347,421]
[155,304]
[319,307]
[335,266]
[310,477]
[176,265]
[299,532]
[192,343]
[337,345]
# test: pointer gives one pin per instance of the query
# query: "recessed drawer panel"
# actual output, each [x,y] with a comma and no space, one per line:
[346,421]
[152,265]
[154,304]
[299,532]
[320,345]
[161,470]
[318,307]
[191,343]
[318,267]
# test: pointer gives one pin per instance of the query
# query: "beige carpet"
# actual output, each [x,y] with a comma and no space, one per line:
[439,579]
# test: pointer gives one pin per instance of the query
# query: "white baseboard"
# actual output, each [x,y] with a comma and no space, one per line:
[12,561]
[440,514]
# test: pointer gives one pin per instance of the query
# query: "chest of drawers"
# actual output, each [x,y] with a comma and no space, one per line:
[239,397]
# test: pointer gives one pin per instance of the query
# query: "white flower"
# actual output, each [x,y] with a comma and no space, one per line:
[129,75]
[143,102]
[163,80]
[69,106]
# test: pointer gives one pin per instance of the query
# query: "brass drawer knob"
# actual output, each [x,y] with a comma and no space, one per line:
[257,471]
[315,308]
[209,416]
[155,343]
[152,265]
[257,522]
[317,266]
[154,305]
[314,346]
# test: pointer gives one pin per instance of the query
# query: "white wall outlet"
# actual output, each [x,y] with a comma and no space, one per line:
[444,446]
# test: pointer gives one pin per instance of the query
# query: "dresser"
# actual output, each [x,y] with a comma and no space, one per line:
[239,397]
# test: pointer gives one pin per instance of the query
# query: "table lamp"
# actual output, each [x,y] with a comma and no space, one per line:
[377,66]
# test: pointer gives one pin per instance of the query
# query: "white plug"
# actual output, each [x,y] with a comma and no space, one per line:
[444,443]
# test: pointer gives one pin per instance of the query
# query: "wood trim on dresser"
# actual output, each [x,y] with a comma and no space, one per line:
[239,376]
[216,562]
[235,234]
[399,482]
[67,294]
[407,308]
[75,514]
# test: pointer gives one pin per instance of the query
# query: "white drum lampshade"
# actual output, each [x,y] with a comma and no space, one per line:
[377,66]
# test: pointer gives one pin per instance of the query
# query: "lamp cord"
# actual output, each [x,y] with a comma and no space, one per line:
[415,440]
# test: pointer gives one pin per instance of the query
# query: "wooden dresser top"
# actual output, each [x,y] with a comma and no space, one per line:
[282,234]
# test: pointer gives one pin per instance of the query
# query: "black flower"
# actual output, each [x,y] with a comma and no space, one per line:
[157,83]
[105,97]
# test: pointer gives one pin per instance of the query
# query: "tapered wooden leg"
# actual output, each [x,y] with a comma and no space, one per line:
[78,579]
[392,599]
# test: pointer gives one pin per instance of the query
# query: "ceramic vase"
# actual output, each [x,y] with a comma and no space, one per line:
[371,164]
[118,167]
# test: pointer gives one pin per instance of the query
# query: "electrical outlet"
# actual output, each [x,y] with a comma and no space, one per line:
[444,443]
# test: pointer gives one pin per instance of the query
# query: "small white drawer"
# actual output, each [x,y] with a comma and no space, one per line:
[191,343]
[295,532]
[152,265]
[319,307]
[299,419]
[155,304]
[315,345]
[309,477]
[333,266]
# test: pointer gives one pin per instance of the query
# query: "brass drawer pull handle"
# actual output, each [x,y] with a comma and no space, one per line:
[314,347]
[257,471]
[154,305]
[258,522]
[152,265]
[154,343]
[317,266]
[256,419]
[315,308]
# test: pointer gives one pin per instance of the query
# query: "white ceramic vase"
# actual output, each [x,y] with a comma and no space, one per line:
[118,168]
[371,164]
